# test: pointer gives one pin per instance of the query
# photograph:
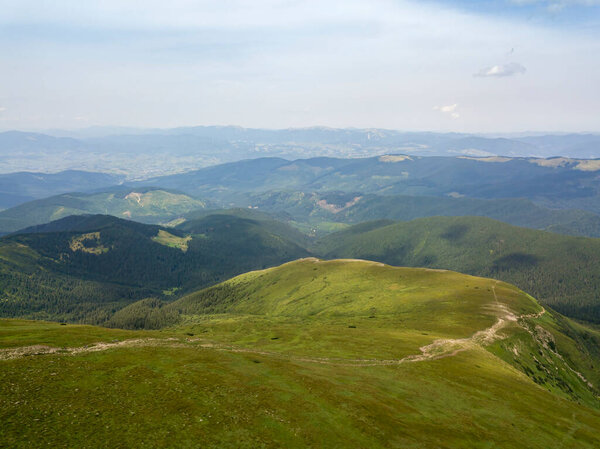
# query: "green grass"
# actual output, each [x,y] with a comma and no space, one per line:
[165,238]
[15,333]
[438,302]
[185,397]
[313,307]
[283,358]
[560,271]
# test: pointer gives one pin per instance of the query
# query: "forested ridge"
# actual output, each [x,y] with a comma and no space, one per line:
[99,264]
[86,268]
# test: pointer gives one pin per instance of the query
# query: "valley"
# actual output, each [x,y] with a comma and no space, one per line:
[87,268]
[300,225]
[141,316]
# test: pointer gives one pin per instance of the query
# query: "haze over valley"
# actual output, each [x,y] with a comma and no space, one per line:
[136,154]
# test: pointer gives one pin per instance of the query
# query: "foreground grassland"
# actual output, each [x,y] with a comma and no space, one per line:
[311,354]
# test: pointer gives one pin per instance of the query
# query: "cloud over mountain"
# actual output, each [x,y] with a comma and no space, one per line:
[503,70]
[449,110]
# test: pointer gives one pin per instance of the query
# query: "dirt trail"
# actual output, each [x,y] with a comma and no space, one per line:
[439,349]
[27,351]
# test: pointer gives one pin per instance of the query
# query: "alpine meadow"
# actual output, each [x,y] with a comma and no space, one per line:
[283,224]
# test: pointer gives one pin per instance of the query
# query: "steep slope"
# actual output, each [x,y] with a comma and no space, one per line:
[83,268]
[560,271]
[149,205]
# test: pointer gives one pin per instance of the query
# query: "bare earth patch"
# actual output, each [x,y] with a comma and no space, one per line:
[487,159]
[390,158]
[334,208]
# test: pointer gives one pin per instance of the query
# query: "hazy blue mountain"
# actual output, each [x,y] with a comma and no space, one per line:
[557,182]
[11,141]
[143,153]
[147,204]
[576,145]
[320,211]
[16,188]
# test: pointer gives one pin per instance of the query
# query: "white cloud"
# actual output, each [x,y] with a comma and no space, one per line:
[499,71]
[449,110]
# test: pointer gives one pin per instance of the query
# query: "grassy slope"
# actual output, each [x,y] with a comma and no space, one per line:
[396,310]
[190,393]
[311,307]
[561,271]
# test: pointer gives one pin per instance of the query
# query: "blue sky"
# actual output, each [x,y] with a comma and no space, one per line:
[478,66]
[550,12]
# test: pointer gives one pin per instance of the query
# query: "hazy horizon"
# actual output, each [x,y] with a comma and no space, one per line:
[492,66]
[106,130]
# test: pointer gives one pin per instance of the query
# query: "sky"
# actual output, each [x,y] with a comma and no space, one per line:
[464,65]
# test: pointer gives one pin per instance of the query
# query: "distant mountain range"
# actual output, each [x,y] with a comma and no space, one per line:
[316,214]
[140,153]
[147,205]
[18,188]
[321,213]
[321,195]
[556,183]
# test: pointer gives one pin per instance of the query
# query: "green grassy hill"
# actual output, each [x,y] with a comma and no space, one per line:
[560,271]
[149,205]
[84,268]
[312,354]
